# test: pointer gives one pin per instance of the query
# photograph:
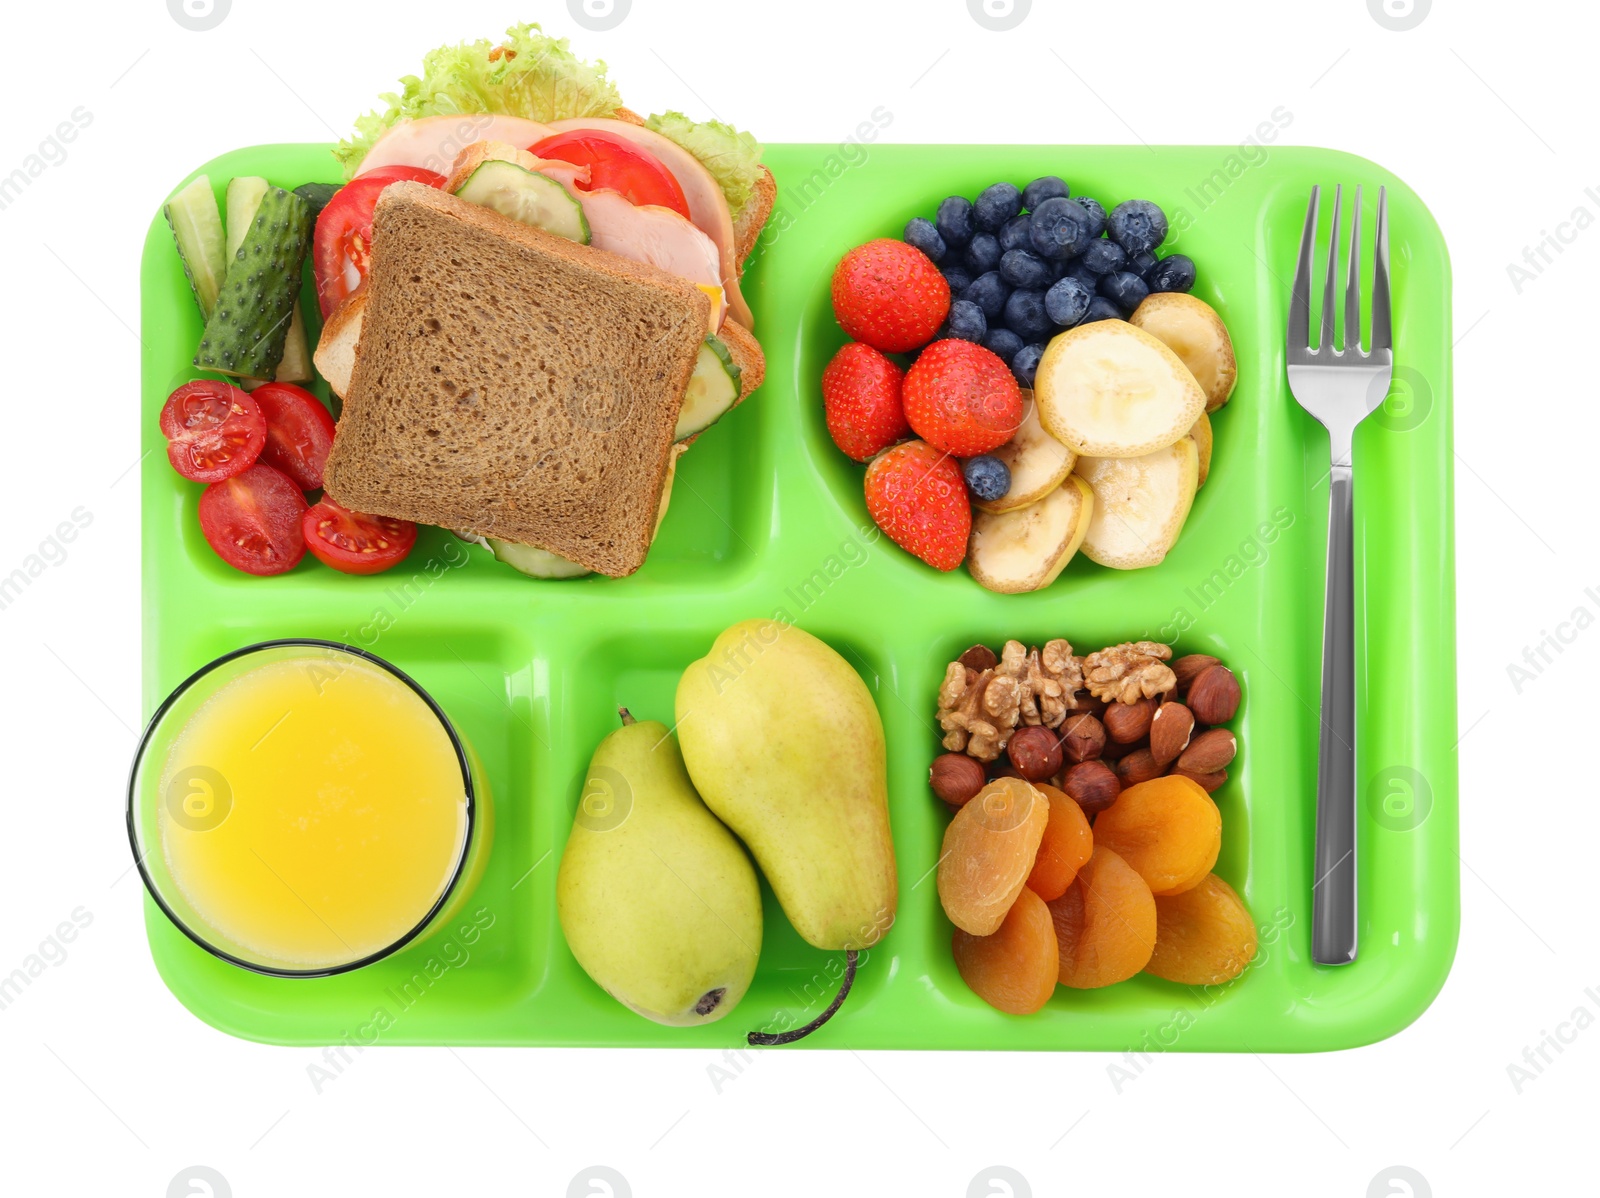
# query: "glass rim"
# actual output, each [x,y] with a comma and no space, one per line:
[395,671]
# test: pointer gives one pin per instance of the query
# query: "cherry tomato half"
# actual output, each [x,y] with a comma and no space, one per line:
[341,247]
[252,520]
[618,165]
[354,543]
[299,432]
[213,430]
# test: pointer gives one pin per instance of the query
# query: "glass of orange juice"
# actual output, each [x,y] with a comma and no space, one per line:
[303,808]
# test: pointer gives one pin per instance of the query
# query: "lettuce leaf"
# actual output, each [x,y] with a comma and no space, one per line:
[732,157]
[526,74]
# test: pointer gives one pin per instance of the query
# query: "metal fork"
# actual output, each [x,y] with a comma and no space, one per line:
[1340,387]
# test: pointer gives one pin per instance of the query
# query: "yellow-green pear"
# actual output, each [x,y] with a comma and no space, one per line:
[784,743]
[658,901]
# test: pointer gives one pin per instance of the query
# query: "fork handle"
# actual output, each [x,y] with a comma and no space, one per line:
[1333,937]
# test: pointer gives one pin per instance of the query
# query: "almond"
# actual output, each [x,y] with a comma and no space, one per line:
[1213,750]
[1170,730]
[1188,668]
[1127,723]
[1214,695]
[980,658]
[1209,782]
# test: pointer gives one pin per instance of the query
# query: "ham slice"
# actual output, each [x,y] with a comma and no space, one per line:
[432,142]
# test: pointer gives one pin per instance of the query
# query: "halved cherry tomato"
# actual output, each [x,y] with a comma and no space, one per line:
[213,430]
[299,432]
[341,247]
[354,543]
[252,520]
[618,165]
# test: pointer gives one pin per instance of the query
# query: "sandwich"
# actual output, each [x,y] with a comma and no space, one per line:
[532,303]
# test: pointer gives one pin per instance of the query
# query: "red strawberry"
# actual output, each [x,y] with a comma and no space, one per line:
[889,295]
[961,398]
[861,399]
[916,495]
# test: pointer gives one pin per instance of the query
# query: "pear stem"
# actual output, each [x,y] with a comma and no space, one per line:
[627,716]
[770,1039]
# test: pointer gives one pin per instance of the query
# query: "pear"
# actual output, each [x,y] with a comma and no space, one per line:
[785,744]
[658,901]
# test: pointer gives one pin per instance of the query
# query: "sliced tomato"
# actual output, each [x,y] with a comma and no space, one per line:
[213,430]
[341,248]
[252,520]
[299,432]
[617,165]
[355,543]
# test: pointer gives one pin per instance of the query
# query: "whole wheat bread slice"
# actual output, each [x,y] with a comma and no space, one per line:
[513,383]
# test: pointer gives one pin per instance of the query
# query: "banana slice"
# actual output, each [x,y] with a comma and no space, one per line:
[1192,329]
[1110,390]
[1037,461]
[1140,504]
[1201,432]
[1026,549]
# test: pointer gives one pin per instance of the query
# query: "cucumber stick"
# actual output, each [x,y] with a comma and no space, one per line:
[197,228]
[246,332]
[244,197]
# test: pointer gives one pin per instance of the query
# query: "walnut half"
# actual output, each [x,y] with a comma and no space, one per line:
[1129,672]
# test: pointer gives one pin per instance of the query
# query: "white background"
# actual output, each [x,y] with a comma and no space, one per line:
[110,1087]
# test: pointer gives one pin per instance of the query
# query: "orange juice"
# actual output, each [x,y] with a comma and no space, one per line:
[315,811]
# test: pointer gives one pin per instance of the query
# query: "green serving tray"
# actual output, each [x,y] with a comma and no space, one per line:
[768,518]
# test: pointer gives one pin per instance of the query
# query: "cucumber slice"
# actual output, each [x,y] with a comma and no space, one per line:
[246,333]
[526,196]
[244,198]
[197,228]
[713,389]
[535,563]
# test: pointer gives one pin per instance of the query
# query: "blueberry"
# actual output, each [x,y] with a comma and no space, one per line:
[1060,228]
[983,253]
[1077,270]
[1175,272]
[1100,308]
[1103,257]
[987,477]
[958,278]
[1125,289]
[921,234]
[1025,314]
[995,205]
[1046,187]
[1137,225]
[989,292]
[1024,268]
[1002,343]
[967,321]
[1026,363]
[1066,302]
[1095,209]
[1142,263]
[1013,234]
[954,222]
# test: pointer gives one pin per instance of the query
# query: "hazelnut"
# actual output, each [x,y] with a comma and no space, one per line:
[1214,695]
[1138,766]
[980,658]
[1128,723]
[1001,767]
[1083,738]
[1209,752]
[1170,730]
[1086,704]
[1210,782]
[1035,752]
[955,777]
[1186,669]
[1115,749]
[1093,785]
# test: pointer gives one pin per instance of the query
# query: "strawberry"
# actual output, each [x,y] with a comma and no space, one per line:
[915,494]
[889,295]
[961,398]
[861,400]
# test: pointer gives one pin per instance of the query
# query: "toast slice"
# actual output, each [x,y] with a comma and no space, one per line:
[513,382]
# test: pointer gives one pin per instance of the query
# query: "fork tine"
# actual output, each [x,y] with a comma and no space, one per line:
[1352,287]
[1300,295]
[1380,277]
[1325,339]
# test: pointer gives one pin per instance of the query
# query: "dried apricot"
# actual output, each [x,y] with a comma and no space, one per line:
[1066,845]
[1105,923]
[1204,936]
[1168,829]
[989,850]
[1013,970]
